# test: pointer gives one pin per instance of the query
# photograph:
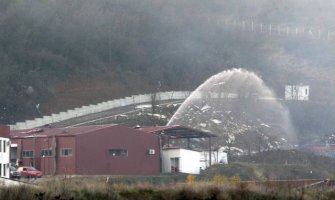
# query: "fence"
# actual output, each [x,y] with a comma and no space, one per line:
[277,29]
[85,110]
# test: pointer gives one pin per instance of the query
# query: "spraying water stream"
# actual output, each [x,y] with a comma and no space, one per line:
[238,107]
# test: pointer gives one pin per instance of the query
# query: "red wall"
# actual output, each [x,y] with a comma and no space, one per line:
[65,165]
[4,131]
[93,156]
[24,144]
[90,152]
[46,164]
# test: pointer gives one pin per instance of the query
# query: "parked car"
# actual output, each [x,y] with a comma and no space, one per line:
[29,172]
[14,174]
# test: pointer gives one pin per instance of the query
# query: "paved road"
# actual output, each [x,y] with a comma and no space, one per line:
[10,182]
[109,116]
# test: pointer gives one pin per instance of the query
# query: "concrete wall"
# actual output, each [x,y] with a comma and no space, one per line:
[189,161]
[85,110]
[132,100]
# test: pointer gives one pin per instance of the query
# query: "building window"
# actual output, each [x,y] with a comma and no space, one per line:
[4,146]
[66,152]
[118,152]
[0,145]
[0,169]
[46,152]
[27,154]
[4,169]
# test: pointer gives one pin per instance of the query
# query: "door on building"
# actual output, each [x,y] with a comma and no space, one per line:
[13,153]
[174,165]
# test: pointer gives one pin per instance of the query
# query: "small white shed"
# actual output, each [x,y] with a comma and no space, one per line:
[180,160]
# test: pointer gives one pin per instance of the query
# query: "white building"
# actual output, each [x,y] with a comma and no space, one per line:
[189,161]
[4,152]
[297,92]
[180,160]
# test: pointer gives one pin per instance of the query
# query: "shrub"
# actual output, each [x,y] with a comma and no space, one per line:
[220,179]
[191,179]
[236,180]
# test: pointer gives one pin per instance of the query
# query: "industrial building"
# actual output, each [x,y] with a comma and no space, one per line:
[112,150]
[88,150]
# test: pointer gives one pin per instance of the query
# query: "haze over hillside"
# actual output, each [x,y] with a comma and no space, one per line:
[60,54]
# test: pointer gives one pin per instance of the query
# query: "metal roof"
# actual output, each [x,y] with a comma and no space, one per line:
[49,131]
[177,131]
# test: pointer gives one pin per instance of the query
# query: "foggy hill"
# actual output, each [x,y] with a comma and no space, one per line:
[60,54]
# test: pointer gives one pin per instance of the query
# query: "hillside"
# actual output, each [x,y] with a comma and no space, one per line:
[58,54]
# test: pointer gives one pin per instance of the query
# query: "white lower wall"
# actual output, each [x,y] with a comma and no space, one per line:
[189,161]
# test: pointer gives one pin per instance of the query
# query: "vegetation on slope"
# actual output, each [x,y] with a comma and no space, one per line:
[276,165]
[59,54]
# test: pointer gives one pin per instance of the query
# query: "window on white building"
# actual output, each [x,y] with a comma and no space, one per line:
[4,169]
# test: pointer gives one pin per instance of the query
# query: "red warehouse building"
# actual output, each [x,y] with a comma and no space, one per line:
[89,150]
